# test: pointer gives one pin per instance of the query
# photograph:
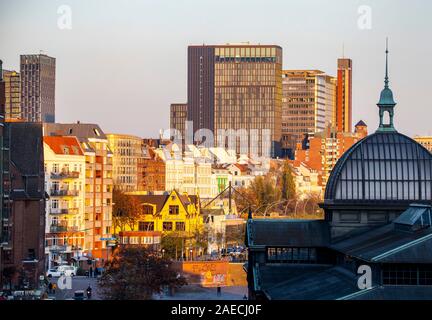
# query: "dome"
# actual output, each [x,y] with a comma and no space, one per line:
[386,98]
[383,167]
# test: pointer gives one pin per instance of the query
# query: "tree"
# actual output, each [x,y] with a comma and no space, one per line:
[137,273]
[264,192]
[126,210]
[201,239]
[172,244]
[286,182]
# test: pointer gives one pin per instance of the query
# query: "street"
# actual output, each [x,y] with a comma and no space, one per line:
[78,283]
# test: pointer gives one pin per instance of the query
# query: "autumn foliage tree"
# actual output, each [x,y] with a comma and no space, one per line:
[275,190]
[126,210]
[137,273]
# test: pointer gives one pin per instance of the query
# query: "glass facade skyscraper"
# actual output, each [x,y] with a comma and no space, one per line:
[38,88]
[237,87]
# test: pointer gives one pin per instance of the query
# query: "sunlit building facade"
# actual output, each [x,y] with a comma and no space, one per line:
[425,141]
[64,182]
[13,95]
[127,153]
[344,95]
[98,183]
[308,102]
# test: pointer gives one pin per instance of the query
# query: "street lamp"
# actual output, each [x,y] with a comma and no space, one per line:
[163,252]
[190,254]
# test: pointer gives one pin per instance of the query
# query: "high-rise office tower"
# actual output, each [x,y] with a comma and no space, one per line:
[234,87]
[344,95]
[178,117]
[38,88]
[13,95]
[308,102]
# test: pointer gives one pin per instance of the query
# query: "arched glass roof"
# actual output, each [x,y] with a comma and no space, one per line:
[385,166]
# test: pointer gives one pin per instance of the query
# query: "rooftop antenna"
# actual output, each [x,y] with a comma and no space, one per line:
[343,50]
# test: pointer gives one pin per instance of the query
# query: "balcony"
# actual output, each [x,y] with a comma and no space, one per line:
[62,228]
[64,211]
[65,175]
[64,193]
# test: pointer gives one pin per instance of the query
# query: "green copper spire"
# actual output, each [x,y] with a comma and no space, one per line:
[386,102]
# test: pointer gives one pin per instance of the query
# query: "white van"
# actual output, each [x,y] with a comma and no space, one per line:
[68,271]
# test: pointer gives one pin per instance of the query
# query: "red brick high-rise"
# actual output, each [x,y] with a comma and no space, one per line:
[344,96]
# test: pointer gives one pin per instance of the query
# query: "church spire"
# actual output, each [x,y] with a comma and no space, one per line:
[386,103]
[386,79]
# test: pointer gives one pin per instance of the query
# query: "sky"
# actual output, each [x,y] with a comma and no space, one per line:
[123,62]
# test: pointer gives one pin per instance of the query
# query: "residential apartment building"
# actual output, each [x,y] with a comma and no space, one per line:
[189,176]
[38,74]
[13,95]
[65,212]
[178,118]
[151,171]
[308,103]
[98,183]
[322,150]
[306,180]
[344,95]
[237,87]
[425,141]
[127,154]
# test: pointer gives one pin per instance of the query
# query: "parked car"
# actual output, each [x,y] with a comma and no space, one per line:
[66,270]
[54,273]
[69,271]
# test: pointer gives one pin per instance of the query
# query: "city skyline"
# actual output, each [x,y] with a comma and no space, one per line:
[148,86]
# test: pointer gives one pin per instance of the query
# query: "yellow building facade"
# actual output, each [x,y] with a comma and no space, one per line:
[167,213]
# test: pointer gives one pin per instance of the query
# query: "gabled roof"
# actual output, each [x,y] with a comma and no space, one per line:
[64,145]
[159,200]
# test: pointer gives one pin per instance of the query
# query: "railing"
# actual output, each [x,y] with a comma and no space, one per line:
[65,175]
[61,193]
[60,228]
[64,211]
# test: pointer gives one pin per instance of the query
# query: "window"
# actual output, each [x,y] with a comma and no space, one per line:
[293,255]
[134,240]
[147,209]
[173,209]
[167,226]
[180,226]
[145,226]
[405,274]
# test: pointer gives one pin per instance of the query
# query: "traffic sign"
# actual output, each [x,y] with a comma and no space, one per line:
[108,239]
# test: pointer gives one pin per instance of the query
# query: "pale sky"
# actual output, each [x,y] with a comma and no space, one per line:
[124,61]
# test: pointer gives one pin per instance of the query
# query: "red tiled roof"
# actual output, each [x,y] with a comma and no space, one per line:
[242,167]
[64,145]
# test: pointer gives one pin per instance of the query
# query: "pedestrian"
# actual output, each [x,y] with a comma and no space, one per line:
[219,291]
[50,287]
[54,287]
[91,272]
